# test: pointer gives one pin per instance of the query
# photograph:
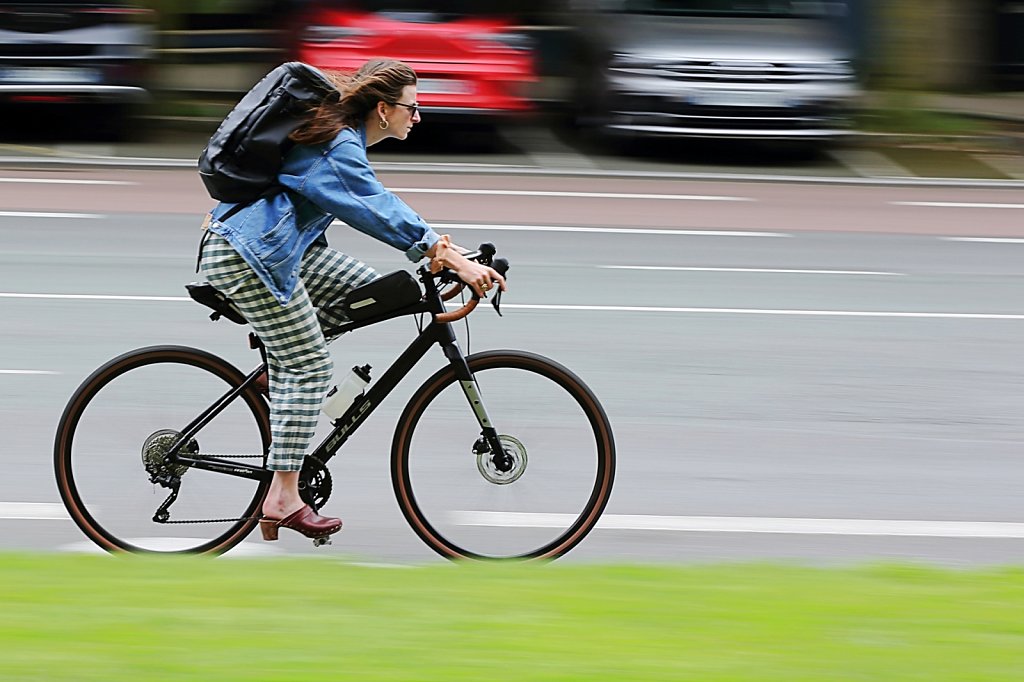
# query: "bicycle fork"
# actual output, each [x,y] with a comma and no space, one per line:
[489,440]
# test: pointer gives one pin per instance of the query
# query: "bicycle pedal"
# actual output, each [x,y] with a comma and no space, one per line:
[319,542]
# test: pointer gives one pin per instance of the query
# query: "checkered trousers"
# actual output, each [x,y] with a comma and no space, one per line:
[300,364]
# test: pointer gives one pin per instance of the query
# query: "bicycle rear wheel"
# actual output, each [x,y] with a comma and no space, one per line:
[547,495]
[117,428]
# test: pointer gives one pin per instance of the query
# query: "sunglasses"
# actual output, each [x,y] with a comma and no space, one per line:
[411,107]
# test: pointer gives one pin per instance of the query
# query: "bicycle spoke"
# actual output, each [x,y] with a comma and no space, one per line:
[556,466]
[117,450]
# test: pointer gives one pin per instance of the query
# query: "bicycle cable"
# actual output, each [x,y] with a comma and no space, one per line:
[466,319]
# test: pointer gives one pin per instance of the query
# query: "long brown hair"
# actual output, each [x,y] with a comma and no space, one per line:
[378,80]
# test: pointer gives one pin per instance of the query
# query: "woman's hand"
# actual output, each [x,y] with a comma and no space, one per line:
[481,278]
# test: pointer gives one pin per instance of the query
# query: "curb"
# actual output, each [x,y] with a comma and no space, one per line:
[448,169]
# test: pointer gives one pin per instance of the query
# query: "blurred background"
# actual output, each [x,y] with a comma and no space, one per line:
[827,332]
[612,73]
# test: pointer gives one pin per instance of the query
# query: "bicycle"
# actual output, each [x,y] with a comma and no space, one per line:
[473,480]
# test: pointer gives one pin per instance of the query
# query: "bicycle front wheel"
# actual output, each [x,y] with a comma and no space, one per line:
[540,497]
[115,433]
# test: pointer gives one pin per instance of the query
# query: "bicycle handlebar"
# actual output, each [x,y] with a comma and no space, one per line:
[483,255]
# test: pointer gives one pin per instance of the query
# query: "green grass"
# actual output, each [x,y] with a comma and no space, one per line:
[906,113]
[912,121]
[137,618]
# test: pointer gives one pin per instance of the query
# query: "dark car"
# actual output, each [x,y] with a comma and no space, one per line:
[72,52]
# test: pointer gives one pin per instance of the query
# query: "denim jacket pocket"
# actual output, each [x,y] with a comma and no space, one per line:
[278,243]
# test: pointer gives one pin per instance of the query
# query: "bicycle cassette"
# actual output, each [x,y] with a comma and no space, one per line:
[155,449]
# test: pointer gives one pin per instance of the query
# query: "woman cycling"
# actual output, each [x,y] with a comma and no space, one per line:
[272,260]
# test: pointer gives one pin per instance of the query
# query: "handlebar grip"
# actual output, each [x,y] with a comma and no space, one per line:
[452,291]
[501,265]
[460,313]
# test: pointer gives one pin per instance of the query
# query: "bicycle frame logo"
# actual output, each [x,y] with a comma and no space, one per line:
[340,435]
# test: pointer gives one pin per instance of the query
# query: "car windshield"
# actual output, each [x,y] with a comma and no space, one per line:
[748,8]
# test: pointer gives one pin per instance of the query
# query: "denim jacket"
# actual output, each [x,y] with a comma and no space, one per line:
[321,183]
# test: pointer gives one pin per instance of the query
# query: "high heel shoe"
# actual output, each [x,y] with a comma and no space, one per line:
[304,520]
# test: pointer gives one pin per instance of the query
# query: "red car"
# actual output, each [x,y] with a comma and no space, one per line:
[468,63]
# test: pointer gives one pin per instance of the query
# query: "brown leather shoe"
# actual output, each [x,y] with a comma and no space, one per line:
[304,520]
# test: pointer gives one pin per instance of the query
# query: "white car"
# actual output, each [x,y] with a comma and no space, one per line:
[749,69]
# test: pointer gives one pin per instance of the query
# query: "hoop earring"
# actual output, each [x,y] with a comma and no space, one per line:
[383,124]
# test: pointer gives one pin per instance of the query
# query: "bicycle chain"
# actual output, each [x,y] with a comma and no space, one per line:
[228,457]
[240,518]
[318,486]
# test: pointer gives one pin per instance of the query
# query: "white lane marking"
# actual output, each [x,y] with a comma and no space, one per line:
[743,524]
[759,270]
[760,311]
[608,230]
[609,308]
[38,214]
[584,195]
[455,164]
[987,240]
[954,204]
[32,511]
[65,181]
[26,371]
[95,297]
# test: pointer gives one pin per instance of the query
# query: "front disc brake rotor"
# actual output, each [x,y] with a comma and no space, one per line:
[506,469]
[156,447]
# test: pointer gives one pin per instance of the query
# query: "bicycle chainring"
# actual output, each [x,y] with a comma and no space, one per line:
[314,483]
[154,454]
[506,469]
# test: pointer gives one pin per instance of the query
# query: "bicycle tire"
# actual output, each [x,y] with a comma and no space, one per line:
[118,394]
[515,387]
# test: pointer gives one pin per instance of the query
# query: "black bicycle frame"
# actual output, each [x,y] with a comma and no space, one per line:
[440,333]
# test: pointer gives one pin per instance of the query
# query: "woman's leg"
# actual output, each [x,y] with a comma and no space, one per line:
[329,275]
[299,362]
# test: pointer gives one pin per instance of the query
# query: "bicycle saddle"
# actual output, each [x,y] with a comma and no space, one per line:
[203,292]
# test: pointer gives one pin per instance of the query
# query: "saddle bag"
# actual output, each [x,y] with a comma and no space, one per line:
[383,295]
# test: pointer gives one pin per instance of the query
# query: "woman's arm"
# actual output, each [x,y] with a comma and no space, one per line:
[347,188]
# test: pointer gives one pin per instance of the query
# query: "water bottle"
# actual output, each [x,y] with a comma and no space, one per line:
[341,396]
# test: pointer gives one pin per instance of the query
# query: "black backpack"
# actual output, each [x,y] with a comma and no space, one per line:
[241,161]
